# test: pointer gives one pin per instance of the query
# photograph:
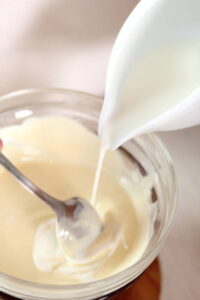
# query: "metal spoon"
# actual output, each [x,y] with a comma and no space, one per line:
[78,223]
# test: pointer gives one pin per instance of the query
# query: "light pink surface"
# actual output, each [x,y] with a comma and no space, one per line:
[66,44]
[63,43]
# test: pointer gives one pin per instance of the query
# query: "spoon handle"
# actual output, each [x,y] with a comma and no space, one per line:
[29,185]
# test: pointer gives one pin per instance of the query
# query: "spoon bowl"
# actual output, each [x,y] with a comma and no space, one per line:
[78,224]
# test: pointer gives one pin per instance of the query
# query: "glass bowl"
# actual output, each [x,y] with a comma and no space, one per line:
[147,151]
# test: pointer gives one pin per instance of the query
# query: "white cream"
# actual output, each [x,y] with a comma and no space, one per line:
[60,155]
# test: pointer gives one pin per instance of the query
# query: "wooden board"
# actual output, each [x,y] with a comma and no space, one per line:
[146,287]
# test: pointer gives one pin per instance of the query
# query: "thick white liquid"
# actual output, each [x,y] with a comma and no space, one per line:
[63,164]
[102,153]
[159,82]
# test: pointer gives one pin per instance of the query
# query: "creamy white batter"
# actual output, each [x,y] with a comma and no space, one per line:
[60,155]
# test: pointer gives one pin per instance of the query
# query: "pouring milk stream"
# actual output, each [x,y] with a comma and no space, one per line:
[153,77]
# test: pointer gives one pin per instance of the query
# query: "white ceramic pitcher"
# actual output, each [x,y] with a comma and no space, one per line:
[151,25]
